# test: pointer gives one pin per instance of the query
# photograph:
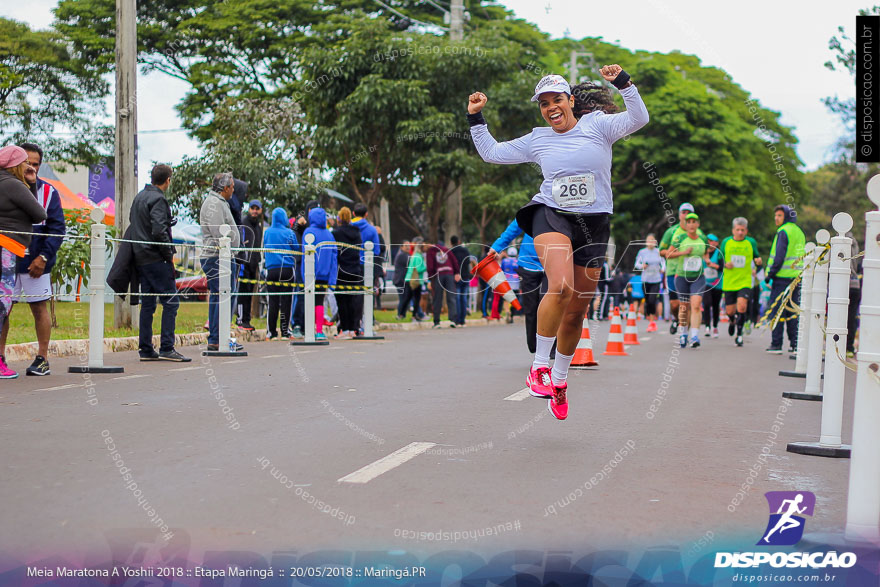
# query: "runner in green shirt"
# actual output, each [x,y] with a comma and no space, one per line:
[691,248]
[673,263]
[738,252]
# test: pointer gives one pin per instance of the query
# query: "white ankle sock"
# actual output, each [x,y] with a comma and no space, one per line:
[695,332]
[543,346]
[559,373]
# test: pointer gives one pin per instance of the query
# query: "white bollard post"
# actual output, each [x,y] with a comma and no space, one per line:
[309,295]
[816,341]
[225,343]
[368,294]
[806,286]
[829,444]
[97,266]
[863,500]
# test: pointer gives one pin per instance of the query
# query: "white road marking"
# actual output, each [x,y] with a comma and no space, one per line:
[187,368]
[519,395]
[57,387]
[234,361]
[132,376]
[385,464]
[274,356]
[645,338]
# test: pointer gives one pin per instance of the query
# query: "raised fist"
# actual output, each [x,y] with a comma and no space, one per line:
[476,101]
[609,72]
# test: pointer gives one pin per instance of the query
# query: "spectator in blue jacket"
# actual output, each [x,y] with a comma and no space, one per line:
[280,268]
[325,264]
[33,270]
[533,282]
[370,233]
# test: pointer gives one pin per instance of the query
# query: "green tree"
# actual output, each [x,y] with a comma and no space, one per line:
[704,142]
[266,142]
[44,91]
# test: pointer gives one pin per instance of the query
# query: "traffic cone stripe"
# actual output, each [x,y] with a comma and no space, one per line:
[615,337]
[583,354]
[492,274]
[631,336]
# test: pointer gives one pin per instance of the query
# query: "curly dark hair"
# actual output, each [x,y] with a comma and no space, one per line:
[589,97]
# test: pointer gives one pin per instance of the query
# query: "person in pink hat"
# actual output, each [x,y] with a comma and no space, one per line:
[19,211]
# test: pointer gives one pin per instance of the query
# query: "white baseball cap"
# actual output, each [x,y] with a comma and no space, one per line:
[551,83]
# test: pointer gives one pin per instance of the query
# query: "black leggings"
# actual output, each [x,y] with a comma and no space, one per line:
[279,302]
[410,294]
[652,290]
[712,306]
[351,305]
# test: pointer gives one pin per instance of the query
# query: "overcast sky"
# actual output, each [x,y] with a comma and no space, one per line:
[774,50]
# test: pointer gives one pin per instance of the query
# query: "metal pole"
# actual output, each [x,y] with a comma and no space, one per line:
[368,294]
[126,130]
[573,68]
[309,295]
[863,498]
[96,304]
[829,444]
[800,366]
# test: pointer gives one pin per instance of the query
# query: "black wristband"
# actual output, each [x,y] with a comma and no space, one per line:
[621,80]
[475,119]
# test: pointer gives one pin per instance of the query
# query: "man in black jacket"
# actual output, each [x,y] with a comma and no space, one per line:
[150,220]
[462,287]
[252,238]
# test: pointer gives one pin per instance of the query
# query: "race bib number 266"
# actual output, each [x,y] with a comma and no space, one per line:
[574,191]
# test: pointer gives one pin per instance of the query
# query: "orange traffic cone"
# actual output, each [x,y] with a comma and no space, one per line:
[583,354]
[631,334]
[490,271]
[615,337]
[724,317]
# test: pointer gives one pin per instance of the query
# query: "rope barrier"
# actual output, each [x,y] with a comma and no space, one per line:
[320,285]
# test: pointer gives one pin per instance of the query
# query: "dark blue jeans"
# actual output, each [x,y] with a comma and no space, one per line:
[211,267]
[790,326]
[461,290]
[157,278]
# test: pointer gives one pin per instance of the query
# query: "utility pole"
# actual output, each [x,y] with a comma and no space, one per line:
[456,25]
[126,129]
[573,71]
[452,225]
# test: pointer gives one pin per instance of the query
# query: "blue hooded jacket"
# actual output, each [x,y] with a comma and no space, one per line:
[325,257]
[528,257]
[279,236]
[368,233]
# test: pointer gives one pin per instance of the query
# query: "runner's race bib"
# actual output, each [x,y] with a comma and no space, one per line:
[710,272]
[692,264]
[739,261]
[574,191]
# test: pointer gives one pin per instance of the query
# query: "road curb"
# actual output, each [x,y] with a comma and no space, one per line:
[26,351]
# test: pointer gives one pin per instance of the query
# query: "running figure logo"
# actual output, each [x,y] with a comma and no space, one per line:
[786,525]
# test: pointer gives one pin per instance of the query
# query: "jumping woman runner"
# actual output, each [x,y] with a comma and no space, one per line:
[570,217]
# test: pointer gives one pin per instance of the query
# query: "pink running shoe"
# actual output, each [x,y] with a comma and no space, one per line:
[7,373]
[539,382]
[558,404]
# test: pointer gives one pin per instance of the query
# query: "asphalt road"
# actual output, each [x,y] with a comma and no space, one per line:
[239,472]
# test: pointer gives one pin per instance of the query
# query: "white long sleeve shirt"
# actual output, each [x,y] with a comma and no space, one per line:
[580,156]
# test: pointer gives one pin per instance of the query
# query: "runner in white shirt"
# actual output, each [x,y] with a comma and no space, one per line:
[570,217]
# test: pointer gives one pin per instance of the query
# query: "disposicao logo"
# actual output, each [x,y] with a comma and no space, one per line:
[786,525]
[785,528]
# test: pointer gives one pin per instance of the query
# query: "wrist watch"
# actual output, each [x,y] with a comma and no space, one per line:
[44,258]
